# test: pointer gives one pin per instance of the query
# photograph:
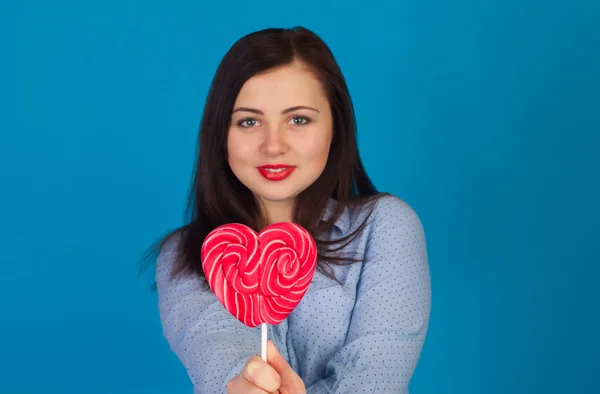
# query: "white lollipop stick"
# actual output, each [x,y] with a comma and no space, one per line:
[263,347]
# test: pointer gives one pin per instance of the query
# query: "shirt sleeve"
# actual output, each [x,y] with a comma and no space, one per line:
[212,345]
[391,313]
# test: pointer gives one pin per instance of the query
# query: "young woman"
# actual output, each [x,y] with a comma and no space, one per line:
[277,143]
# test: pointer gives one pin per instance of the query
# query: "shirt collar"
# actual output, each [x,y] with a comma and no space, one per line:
[342,222]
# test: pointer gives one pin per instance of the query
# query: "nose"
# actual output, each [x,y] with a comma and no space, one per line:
[274,143]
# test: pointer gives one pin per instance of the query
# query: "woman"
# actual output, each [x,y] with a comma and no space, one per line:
[277,143]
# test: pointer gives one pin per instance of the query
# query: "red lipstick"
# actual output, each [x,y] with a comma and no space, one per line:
[276,172]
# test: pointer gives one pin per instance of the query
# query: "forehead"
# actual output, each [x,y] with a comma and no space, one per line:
[284,86]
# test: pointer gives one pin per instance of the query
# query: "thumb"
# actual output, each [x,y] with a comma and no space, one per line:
[276,360]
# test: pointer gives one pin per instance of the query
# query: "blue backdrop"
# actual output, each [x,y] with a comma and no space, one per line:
[483,115]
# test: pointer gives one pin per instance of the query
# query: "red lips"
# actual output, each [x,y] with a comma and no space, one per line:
[276,172]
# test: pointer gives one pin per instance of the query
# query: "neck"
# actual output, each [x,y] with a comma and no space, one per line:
[275,212]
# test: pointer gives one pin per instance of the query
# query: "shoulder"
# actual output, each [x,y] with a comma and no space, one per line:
[170,243]
[393,216]
[167,254]
[395,243]
[386,208]
[392,208]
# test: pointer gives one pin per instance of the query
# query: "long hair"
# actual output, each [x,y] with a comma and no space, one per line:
[217,197]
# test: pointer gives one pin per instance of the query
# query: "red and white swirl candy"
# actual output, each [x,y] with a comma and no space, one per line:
[259,278]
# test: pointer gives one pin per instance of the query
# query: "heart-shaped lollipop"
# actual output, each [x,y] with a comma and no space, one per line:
[259,278]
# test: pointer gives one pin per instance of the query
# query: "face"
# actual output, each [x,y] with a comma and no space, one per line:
[280,133]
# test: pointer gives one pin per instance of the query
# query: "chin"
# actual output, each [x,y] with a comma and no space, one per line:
[276,197]
[276,193]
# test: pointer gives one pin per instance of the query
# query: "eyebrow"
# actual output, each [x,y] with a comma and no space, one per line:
[285,111]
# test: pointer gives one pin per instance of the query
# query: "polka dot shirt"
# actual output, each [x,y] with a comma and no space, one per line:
[365,336]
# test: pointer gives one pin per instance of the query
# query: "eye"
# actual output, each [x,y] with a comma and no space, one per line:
[300,120]
[247,122]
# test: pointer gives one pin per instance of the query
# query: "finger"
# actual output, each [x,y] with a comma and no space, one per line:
[261,374]
[239,385]
[291,380]
[276,360]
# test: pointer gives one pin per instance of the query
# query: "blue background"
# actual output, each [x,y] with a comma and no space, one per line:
[483,115]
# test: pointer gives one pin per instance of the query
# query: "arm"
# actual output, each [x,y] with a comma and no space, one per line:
[212,345]
[391,313]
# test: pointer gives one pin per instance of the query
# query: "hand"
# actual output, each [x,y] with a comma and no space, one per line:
[290,382]
[273,377]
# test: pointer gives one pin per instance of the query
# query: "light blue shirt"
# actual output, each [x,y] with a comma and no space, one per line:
[363,337]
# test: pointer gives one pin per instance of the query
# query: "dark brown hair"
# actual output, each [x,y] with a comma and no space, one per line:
[217,197]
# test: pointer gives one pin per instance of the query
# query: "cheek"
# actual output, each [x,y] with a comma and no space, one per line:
[318,150]
[235,148]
